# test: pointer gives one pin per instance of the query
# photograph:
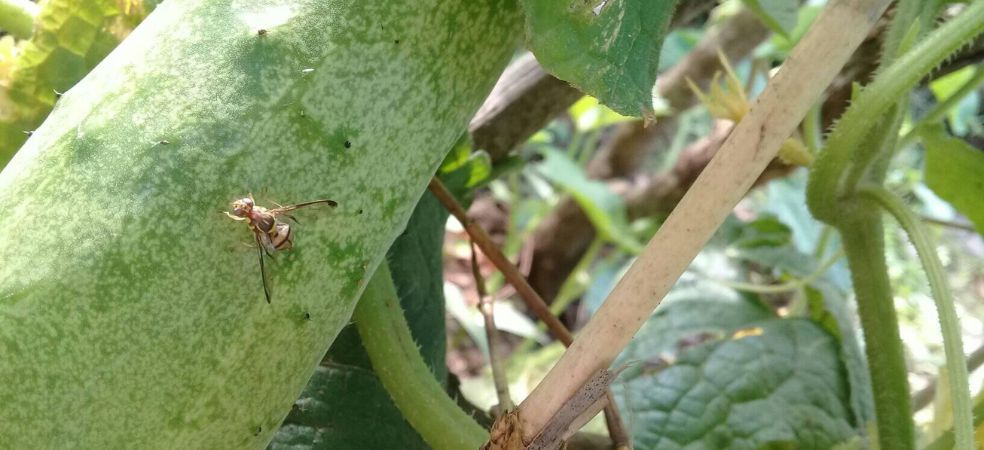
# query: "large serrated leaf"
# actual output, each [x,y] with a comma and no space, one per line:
[775,384]
[828,308]
[341,408]
[690,314]
[608,48]
[136,318]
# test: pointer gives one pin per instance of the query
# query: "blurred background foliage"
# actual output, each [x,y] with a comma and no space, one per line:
[756,347]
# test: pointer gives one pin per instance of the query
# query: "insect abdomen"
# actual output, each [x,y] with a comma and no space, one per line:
[282,236]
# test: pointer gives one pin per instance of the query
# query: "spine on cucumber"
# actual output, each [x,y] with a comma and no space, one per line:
[132,312]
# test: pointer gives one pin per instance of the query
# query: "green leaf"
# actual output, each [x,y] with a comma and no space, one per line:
[605,209]
[777,383]
[766,231]
[345,407]
[963,116]
[779,15]
[609,49]
[828,308]
[691,314]
[770,244]
[345,381]
[466,171]
[136,316]
[953,171]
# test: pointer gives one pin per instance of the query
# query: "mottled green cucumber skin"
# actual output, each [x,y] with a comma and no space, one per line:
[131,309]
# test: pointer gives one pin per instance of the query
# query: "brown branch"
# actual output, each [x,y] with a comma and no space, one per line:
[478,235]
[533,300]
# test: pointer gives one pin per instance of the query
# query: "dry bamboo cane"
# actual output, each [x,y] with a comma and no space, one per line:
[754,142]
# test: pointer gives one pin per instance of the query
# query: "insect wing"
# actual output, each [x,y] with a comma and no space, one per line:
[288,208]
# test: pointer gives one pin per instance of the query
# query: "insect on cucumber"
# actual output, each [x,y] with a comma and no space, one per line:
[270,233]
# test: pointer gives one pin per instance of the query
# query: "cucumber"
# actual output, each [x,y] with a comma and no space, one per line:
[132,312]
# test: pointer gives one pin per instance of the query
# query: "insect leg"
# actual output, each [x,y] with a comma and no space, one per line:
[259,246]
[264,241]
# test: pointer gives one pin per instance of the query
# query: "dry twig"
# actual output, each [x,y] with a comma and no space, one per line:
[533,300]
[485,306]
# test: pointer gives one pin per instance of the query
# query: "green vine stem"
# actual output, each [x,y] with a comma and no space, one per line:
[851,147]
[827,185]
[397,361]
[17,17]
[865,249]
[956,363]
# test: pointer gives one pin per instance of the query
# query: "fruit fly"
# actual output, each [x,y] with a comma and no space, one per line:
[270,233]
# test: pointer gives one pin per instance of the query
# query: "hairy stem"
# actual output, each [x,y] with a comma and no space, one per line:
[397,361]
[750,147]
[855,153]
[956,363]
[864,246]
[827,184]
[17,17]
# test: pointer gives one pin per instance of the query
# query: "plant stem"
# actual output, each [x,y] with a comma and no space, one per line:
[949,224]
[788,286]
[827,185]
[812,135]
[573,287]
[956,363]
[822,241]
[570,290]
[396,360]
[482,239]
[17,17]
[864,246]
[752,144]
[855,153]
[486,307]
